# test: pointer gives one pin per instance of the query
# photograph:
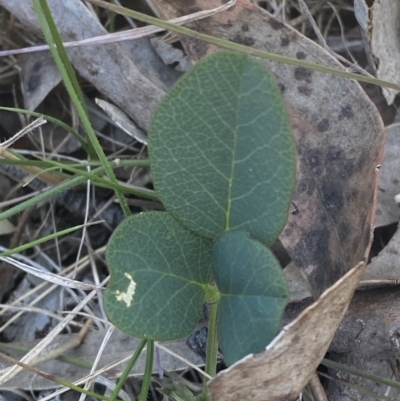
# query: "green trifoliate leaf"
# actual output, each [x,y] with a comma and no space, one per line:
[221,148]
[159,271]
[253,295]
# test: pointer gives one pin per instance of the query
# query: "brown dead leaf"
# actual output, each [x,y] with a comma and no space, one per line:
[108,67]
[283,370]
[298,286]
[149,62]
[384,36]
[119,346]
[361,13]
[386,265]
[39,75]
[388,211]
[122,121]
[171,55]
[338,131]
[6,227]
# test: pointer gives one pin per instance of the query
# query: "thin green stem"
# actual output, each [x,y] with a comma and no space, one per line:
[212,342]
[107,183]
[242,48]
[53,378]
[148,371]
[73,182]
[127,370]
[357,372]
[51,164]
[63,358]
[51,119]
[47,194]
[64,65]
[66,164]
[39,241]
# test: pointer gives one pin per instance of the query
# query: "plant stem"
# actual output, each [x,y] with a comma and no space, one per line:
[39,241]
[148,371]
[127,370]
[64,65]
[46,194]
[67,359]
[212,342]
[242,48]
[53,378]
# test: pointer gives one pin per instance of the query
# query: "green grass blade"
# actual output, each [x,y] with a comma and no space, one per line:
[148,371]
[63,358]
[107,183]
[53,120]
[50,164]
[46,195]
[359,389]
[97,181]
[53,378]
[127,370]
[241,48]
[357,372]
[61,58]
[39,241]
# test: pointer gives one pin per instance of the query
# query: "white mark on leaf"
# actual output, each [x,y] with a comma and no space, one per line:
[128,294]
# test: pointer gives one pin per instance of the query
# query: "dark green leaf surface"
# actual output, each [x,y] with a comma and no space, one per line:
[159,271]
[253,295]
[221,149]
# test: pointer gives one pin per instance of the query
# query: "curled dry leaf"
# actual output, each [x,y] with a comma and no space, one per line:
[383,34]
[298,286]
[171,55]
[388,211]
[386,265]
[122,121]
[150,63]
[107,67]
[361,13]
[6,227]
[282,371]
[339,136]
[367,340]
[39,76]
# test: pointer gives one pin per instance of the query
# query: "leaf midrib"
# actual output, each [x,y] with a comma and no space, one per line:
[230,186]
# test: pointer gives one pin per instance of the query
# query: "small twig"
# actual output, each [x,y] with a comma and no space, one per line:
[37,350]
[316,388]
[126,35]
[48,276]
[158,345]
[342,32]
[96,362]
[51,377]
[32,309]
[8,270]
[74,342]
[323,43]
[310,19]
[85,221]
[26,130]
[302,18]
[106,369]
[370,283]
